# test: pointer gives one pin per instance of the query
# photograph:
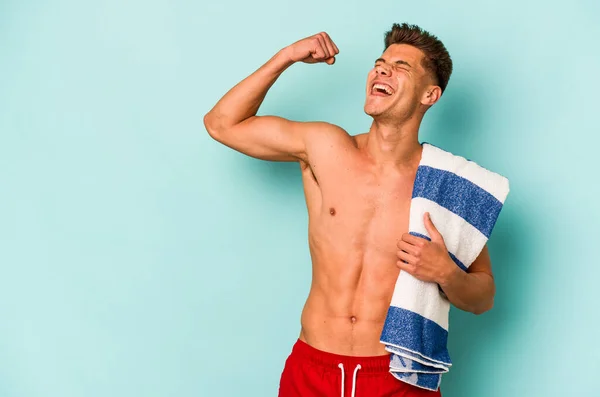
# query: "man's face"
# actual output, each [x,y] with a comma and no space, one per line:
[396,83]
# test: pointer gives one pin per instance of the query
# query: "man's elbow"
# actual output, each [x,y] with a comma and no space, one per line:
[211,126]
[480,309]
[485,303]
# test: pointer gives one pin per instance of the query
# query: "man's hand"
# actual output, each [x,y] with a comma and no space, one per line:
[313,49]
[426,260]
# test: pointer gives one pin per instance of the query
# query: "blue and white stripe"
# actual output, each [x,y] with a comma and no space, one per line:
[464,201]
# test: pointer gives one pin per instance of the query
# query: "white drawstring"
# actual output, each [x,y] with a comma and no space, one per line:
[341,367]
[354,379]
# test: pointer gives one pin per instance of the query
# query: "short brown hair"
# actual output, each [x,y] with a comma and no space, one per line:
[437,59]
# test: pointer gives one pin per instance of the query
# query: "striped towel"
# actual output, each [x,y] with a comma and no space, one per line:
[464,201]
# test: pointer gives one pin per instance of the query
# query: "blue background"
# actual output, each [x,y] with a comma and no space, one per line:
[141,258]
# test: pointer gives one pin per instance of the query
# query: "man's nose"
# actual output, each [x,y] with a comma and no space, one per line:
[383,69]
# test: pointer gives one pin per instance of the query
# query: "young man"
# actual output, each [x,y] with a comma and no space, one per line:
[358,192]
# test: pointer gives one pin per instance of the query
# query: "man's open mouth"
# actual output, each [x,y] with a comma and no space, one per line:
[381,89]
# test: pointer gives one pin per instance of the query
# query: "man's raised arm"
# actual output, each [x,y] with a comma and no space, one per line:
[233,120]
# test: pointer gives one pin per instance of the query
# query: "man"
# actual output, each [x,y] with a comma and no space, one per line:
[358,192]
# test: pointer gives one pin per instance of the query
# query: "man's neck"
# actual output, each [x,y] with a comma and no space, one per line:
[395,146]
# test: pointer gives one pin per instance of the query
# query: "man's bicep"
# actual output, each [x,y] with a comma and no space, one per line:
[269,138]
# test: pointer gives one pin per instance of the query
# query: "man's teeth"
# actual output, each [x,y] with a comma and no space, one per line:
[383,87]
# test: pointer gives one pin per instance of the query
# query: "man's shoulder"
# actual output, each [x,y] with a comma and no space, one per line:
[321,132]
[327,140]
[329,128]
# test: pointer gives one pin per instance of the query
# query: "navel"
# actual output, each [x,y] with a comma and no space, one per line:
[332,211]
[353,319]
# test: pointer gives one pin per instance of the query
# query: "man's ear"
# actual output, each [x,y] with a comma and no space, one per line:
[431,95]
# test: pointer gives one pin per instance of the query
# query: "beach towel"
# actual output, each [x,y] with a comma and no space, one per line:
[464,201]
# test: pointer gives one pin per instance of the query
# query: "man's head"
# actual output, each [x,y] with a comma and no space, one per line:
[410,76]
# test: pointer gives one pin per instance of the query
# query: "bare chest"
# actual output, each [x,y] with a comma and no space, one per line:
[359,211]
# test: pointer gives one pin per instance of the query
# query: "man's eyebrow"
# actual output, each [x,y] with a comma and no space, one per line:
[398,62]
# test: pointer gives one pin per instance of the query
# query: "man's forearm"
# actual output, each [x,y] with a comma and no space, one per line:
[472,292]
[244,99]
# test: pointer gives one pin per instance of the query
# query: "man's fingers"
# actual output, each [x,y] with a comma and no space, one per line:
[410,248]
[406,265]
[330,46]
[334,49]
[324,47]
[414,240]
[319,53]
[406,257]
[431,229]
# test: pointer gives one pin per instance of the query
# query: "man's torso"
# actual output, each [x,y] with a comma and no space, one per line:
[357,214]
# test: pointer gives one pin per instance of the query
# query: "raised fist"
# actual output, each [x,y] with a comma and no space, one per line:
[314,49]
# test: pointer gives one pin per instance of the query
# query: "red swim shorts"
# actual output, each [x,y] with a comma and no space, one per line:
[309,372]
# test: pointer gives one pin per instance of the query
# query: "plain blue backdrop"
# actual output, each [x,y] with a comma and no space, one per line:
[141,258]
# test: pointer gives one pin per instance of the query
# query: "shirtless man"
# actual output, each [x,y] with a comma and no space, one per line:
[358,192]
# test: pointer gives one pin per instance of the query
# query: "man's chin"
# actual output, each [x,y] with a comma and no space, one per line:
[371,111]
[374,107]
